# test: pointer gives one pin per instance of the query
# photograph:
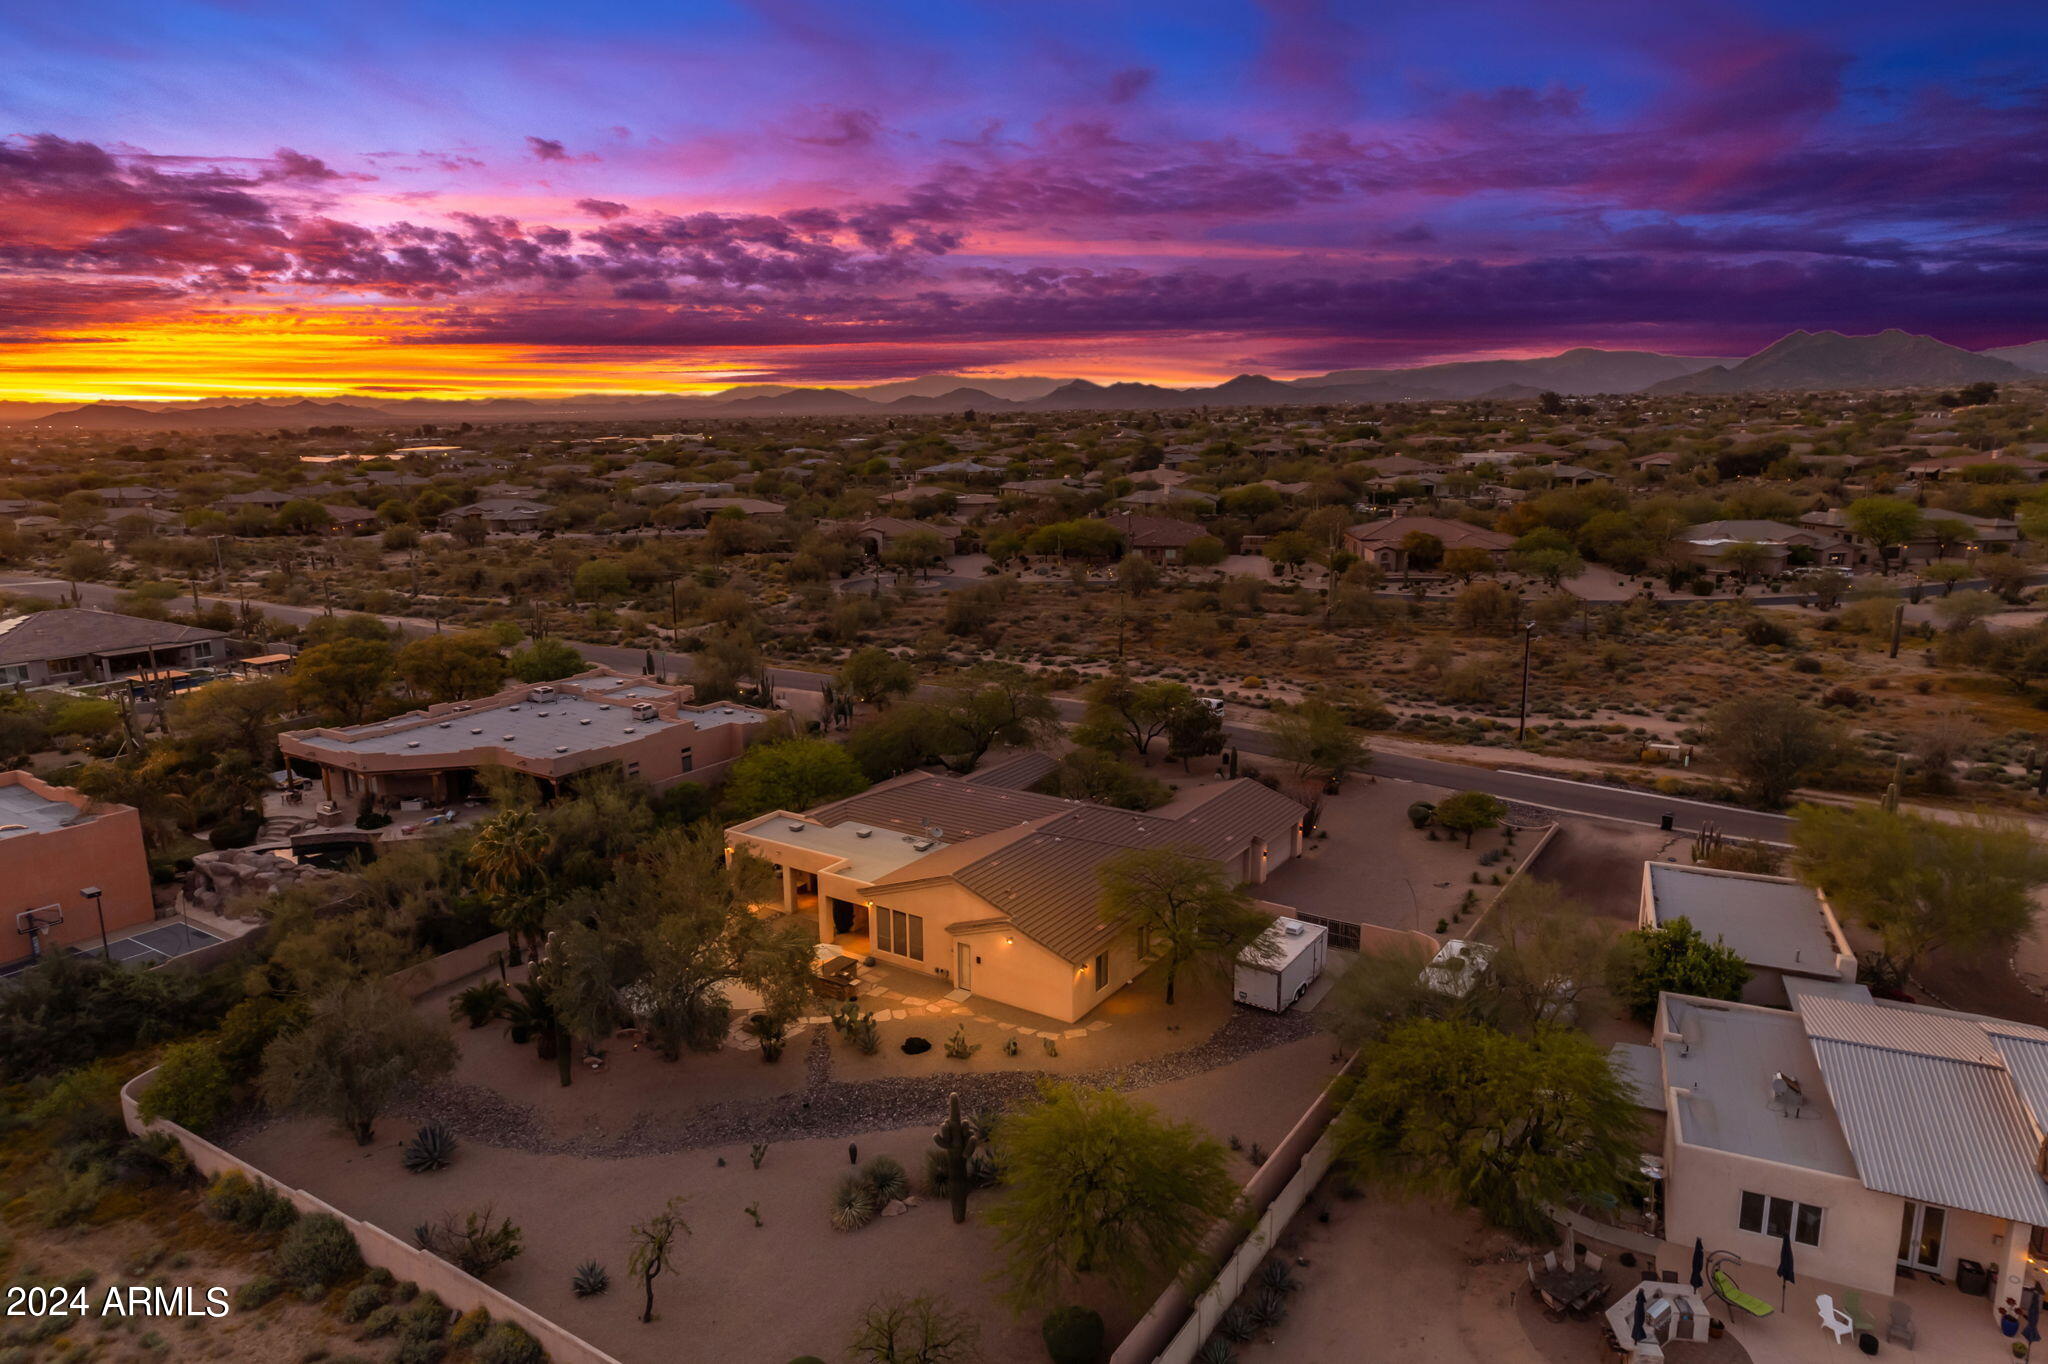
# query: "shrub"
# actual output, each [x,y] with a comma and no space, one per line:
[590,1280]
[318,1250]
[477,1246]
[885,1179]
[381,1322]
[68,1197]
[1073,1335]
[361,1301]
[853,1204]
[509,1343]
[425,1319]
[469,1327]
[256,1292]
[248,1028]
[478,1004]
[155,1158]
[191,1087]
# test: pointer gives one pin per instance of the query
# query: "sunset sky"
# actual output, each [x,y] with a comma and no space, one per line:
[429,197]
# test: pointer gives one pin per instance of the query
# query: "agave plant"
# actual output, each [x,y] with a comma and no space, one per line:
[1215,1350]
[1237,1324]
[1275,1274]
[853,1206]
[771,1031]
[591,1279]
[430,1149]
[1269,1308]
[479,1004]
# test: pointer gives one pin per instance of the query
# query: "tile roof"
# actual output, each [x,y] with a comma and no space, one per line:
[68,633]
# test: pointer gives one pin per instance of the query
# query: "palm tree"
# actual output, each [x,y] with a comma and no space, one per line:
[507,856]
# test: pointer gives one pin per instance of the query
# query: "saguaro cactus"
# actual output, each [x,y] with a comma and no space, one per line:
[956,1137]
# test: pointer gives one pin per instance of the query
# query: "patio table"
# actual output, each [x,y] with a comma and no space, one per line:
[1569,1288]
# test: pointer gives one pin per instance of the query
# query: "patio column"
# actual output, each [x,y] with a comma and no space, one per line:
[2012,1267]
[788,890]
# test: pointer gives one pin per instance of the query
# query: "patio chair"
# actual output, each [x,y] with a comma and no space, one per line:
[1549,1261]
[1833,1318]
[1900,1330]
[1852,1303]
[1592,1261]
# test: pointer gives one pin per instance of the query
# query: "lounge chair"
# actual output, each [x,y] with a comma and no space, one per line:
[1728,1291]
[1900,1331]
[1833,1318]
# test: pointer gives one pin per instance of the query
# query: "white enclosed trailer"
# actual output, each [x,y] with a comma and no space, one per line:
[1278,969]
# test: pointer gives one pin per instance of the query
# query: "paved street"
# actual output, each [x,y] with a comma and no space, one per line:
[1549,792]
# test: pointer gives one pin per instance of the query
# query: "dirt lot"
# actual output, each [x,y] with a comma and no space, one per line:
[789,1287]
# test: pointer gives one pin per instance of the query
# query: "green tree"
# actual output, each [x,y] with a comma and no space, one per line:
[1672,959]
[875,676]
[601,580]
[919,1330]
[795,775]
[989,705]
[191,1087]
[1510,1125]
[347,678]
[654,1245]
[1104,778]
[1468,812]
[1466,562]
[234,717]
[1099,1186]
[1122,712]
[1745,558]
[1083,539]
[303,517]
[1183,906]
[1947,572]
[1137,574]
[1316,740]
[1204,551]
[1770,742]
[1886,522]
[359,1045]
[1194,731]
[507,856]
[1421,551]
[1550,564]
[545,660]
[457,667]
[1923,883]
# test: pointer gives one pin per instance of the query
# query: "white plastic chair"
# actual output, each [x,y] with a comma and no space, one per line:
[1549,1261]
[1591,1261]
[1833,1318]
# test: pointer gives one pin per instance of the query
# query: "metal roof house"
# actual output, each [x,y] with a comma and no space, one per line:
[994,888]
[1885,1139]
[67,645]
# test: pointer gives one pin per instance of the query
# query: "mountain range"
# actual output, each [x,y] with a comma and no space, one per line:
[1801,362]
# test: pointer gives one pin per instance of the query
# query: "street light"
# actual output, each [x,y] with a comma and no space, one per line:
[92,893]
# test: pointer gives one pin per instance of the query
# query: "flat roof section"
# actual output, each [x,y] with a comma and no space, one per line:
[1771,923]
[866,853]
[548,729]
[1721,1068]
[23,811]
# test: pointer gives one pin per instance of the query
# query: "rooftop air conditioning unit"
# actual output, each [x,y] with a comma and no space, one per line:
[922,845]
[1294,929]
[643,711]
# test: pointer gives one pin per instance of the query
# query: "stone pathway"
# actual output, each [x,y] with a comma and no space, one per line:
[827,1107]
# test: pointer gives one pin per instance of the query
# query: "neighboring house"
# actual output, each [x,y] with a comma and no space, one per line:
[1981,535]
[499,515]
[996,889]
[73,645]
[1707,544]
[351,520]
[1993,463]
[551,732]
[1779,926]
[1162,539]
[1885,1140]
[1170,497]
[1380,542]
[877,533]
[130,496]
[263,499]
[54,843]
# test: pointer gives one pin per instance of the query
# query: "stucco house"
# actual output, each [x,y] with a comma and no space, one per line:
[1382,542]
[1781,927]
[549,731]
[54,844]
[75,645]
[994,890]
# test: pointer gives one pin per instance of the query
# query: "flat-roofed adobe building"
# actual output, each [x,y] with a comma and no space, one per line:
[55,843]
[995,889]
[1779,926]
[549,731]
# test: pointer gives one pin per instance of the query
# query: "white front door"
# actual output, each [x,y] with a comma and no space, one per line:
[1920,1236]
[963,974]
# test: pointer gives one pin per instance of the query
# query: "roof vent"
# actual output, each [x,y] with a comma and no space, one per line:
[476,731]
[508,738]
[630,729]
[513,709]
[859,832]
[561,748]
[444,724]
[412,743]
[796,826]
[922,844]
[584,721]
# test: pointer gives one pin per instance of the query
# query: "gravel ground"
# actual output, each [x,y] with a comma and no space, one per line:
[826,1107]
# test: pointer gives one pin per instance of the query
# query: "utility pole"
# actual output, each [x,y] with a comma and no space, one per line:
[1898,624]
[1522,725]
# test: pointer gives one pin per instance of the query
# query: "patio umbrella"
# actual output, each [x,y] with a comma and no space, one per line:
[1636,1327]
[1699,1263]
[1785,1266]
[2032,1330]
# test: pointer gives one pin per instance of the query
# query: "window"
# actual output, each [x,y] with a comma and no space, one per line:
[900,933]
[1775,1216]
[14,672]
[688,762]
[632,769]
[1101,970]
